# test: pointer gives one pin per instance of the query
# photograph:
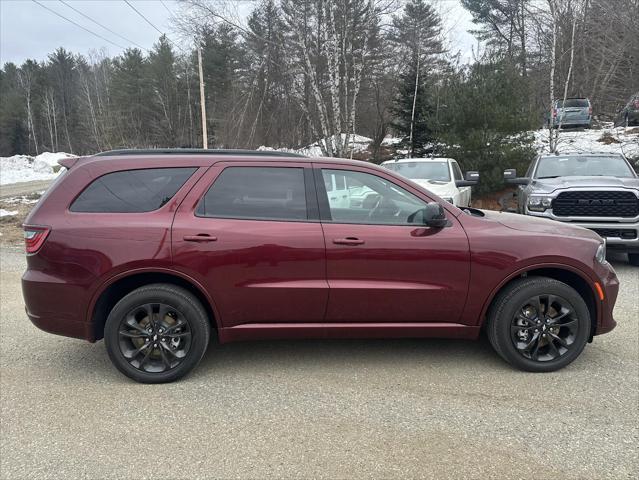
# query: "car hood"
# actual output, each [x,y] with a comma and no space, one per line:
[549,185]
[539,225]
[440,189]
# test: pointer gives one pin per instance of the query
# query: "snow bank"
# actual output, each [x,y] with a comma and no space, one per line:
[23,168]
[607,140]
[355,142]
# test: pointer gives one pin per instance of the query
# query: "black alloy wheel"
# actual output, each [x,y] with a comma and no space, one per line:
[538,324]
[544,328]
[157,333]
[154,337]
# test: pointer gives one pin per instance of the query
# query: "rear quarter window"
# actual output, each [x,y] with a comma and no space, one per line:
[132,191]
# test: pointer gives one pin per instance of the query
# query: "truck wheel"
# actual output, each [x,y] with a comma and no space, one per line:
[157,333]
[633,258]
[538,324]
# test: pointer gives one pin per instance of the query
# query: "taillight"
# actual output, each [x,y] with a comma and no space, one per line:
[590,110]
[34,237]
[637,104]
[554,112]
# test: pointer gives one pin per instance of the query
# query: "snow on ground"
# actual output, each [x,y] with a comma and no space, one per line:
[7,213]
[609,139]
[390,141]
[356,142]
[24,168]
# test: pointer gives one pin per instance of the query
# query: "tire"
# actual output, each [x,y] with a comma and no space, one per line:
[509,332]
[170,342]
[633,259]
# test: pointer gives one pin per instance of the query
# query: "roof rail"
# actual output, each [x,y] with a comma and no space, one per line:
[196,151]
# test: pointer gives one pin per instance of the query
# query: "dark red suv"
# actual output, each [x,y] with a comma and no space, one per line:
[155,250]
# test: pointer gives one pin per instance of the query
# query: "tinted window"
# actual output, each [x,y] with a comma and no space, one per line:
[437,171]
[132,191]
[371,199]
[556,166]
[270,193]
[574,102]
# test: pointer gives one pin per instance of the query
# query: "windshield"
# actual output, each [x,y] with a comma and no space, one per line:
[550,167]
[437,171]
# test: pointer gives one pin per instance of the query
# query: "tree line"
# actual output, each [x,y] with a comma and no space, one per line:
[295,72]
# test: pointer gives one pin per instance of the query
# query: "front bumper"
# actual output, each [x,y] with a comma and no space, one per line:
[620,235]
[610,286]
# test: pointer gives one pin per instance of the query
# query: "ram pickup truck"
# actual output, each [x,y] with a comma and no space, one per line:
[596,191]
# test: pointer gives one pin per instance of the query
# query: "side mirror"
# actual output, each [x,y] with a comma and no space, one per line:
[432,215]
[510,176]
[472,178]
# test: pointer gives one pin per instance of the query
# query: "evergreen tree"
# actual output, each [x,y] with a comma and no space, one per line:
[13,130]
[131,98]
[485,115]
[417,35]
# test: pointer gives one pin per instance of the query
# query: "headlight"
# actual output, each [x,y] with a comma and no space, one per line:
[448,199]
[600,256]
[538,203]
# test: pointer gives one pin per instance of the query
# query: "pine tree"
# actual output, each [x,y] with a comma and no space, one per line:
[416,34]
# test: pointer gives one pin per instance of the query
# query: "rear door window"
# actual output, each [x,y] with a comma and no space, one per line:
[256,193]
[132,191]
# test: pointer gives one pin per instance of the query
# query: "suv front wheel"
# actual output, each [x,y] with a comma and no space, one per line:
[157,333]
[538,324]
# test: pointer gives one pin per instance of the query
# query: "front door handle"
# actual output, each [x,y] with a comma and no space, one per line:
[348,241]
[202,237]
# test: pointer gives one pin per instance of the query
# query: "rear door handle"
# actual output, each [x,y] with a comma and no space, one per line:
[202,237]
[348,241]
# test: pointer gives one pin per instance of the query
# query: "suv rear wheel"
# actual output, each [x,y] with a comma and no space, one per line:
[538,324]
[157,333]
[633,258]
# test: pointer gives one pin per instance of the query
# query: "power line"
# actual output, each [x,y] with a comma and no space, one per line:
[100,25]
[156,28]
[145,19]
[78,25]
[167,8]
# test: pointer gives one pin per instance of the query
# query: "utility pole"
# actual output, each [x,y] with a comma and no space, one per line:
[205,140]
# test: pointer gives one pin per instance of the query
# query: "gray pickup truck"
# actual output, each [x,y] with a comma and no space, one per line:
[596,191]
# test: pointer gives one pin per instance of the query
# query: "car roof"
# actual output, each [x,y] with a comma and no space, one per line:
[418,160]
[197,151]
[580,154]
[154,158]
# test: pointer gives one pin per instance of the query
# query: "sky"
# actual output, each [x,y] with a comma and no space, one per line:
[29,30]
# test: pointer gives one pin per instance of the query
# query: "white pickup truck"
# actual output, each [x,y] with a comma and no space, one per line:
[442,176]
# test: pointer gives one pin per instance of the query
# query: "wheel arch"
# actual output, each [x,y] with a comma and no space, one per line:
[117,287]
[565,274]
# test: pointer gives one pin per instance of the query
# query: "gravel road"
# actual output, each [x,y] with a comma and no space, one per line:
[318,409]
[23,188]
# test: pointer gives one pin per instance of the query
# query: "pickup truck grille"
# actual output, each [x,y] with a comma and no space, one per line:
[596,204]
[624,233]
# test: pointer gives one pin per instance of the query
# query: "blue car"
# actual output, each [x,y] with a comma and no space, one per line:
[575,112]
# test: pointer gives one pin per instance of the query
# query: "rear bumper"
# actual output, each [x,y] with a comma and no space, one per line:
[54,306]
[573,122]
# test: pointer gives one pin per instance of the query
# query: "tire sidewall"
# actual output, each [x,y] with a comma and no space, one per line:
[508,311]
[177,299]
